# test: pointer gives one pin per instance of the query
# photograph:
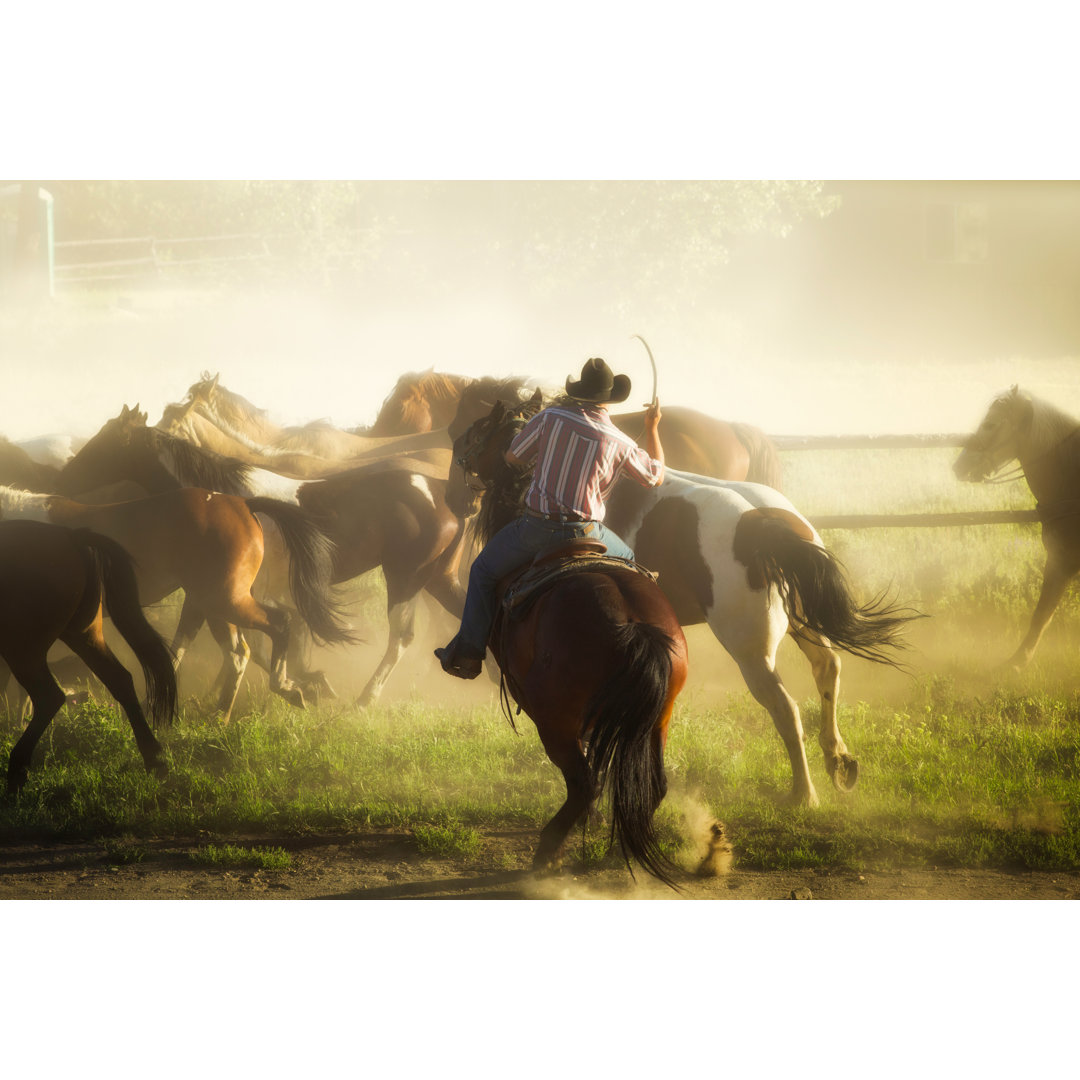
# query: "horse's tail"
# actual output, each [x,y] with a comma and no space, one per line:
[815,590]
[116,571]
[624,754]
[311,568]
[764,465]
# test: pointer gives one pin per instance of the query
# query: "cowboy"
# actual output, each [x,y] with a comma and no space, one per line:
[577,454]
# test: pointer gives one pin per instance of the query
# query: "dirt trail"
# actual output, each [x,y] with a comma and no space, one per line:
[384,865]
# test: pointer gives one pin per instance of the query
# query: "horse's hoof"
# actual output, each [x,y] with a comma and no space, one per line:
[844,770]
[719,854]
[293,695]
[317,685]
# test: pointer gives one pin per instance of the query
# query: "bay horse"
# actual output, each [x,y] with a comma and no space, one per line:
[1045,442]
[693,441]
[596,657]
[211,546]
[391,514]
[54,583]
[742,559]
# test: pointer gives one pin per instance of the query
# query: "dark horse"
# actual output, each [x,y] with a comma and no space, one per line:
[596,655]
[54,583]
[693,442]
[1046,443]
[211,546]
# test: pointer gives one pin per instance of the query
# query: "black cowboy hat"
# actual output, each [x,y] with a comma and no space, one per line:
[598,385]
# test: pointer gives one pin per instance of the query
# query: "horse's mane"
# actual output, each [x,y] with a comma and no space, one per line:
[13,499]
[235,404]
[1049,425]
[196,466]
[502,501]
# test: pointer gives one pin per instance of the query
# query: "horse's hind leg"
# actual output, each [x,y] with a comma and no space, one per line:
[766,686]
[825,664]
[235,656]
[579,797]
[91,648]
[274,623]
[47,699]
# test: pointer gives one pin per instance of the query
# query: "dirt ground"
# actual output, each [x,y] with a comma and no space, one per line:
[384,865]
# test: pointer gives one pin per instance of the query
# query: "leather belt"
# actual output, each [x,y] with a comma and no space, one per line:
[564,518]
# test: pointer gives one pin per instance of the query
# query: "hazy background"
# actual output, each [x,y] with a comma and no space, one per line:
[798,306]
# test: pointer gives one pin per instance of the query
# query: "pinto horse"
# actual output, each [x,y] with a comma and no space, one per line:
[211,546]
[54,583]
[1046,444]
[693,441]
[596,656]
[741,558]
[390,514]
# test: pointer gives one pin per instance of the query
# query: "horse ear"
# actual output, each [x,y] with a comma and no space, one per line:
[498,412]
[534,404]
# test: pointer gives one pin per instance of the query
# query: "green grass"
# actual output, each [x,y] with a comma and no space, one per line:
[230,856]
[959,766]
[946,779]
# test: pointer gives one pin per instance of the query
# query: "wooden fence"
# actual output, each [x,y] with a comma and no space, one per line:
[898,521]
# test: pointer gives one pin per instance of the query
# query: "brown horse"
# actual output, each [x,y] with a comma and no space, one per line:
[742,559]
[693,442]
[211,546]
[1046,443]
[596,655]
[391,515]
[18,469]
[53,585]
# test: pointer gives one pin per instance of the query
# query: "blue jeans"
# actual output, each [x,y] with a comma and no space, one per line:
[511,547]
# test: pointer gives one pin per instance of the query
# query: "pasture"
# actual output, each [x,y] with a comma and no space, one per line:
[965,768]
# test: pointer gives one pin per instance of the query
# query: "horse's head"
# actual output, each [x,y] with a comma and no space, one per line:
[480,450]
[999,439]
[114,453]
[205,389]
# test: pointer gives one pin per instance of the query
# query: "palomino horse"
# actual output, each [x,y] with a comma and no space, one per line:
[693,441]
[211,546]
[311,452]
[596,655]
[53,585]
[1046,443]
[741,558]
[391,515]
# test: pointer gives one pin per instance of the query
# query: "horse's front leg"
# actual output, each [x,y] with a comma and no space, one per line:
[1056,579]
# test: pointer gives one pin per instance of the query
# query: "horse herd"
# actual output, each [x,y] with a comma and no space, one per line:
[257,524]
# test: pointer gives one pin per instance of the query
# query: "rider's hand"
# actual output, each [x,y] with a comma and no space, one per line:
[653,414]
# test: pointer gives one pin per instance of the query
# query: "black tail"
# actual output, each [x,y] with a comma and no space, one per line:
[117,572]
[764,458]
[623,753]
[817,597]
[311,565]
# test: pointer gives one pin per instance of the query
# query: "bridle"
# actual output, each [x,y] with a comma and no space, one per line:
[472,452]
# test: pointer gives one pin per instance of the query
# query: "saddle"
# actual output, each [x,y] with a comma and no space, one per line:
[551,564]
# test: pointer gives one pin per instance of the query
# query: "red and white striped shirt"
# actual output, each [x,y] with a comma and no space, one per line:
[579,455]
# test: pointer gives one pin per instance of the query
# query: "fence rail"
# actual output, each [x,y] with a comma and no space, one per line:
[867,442]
